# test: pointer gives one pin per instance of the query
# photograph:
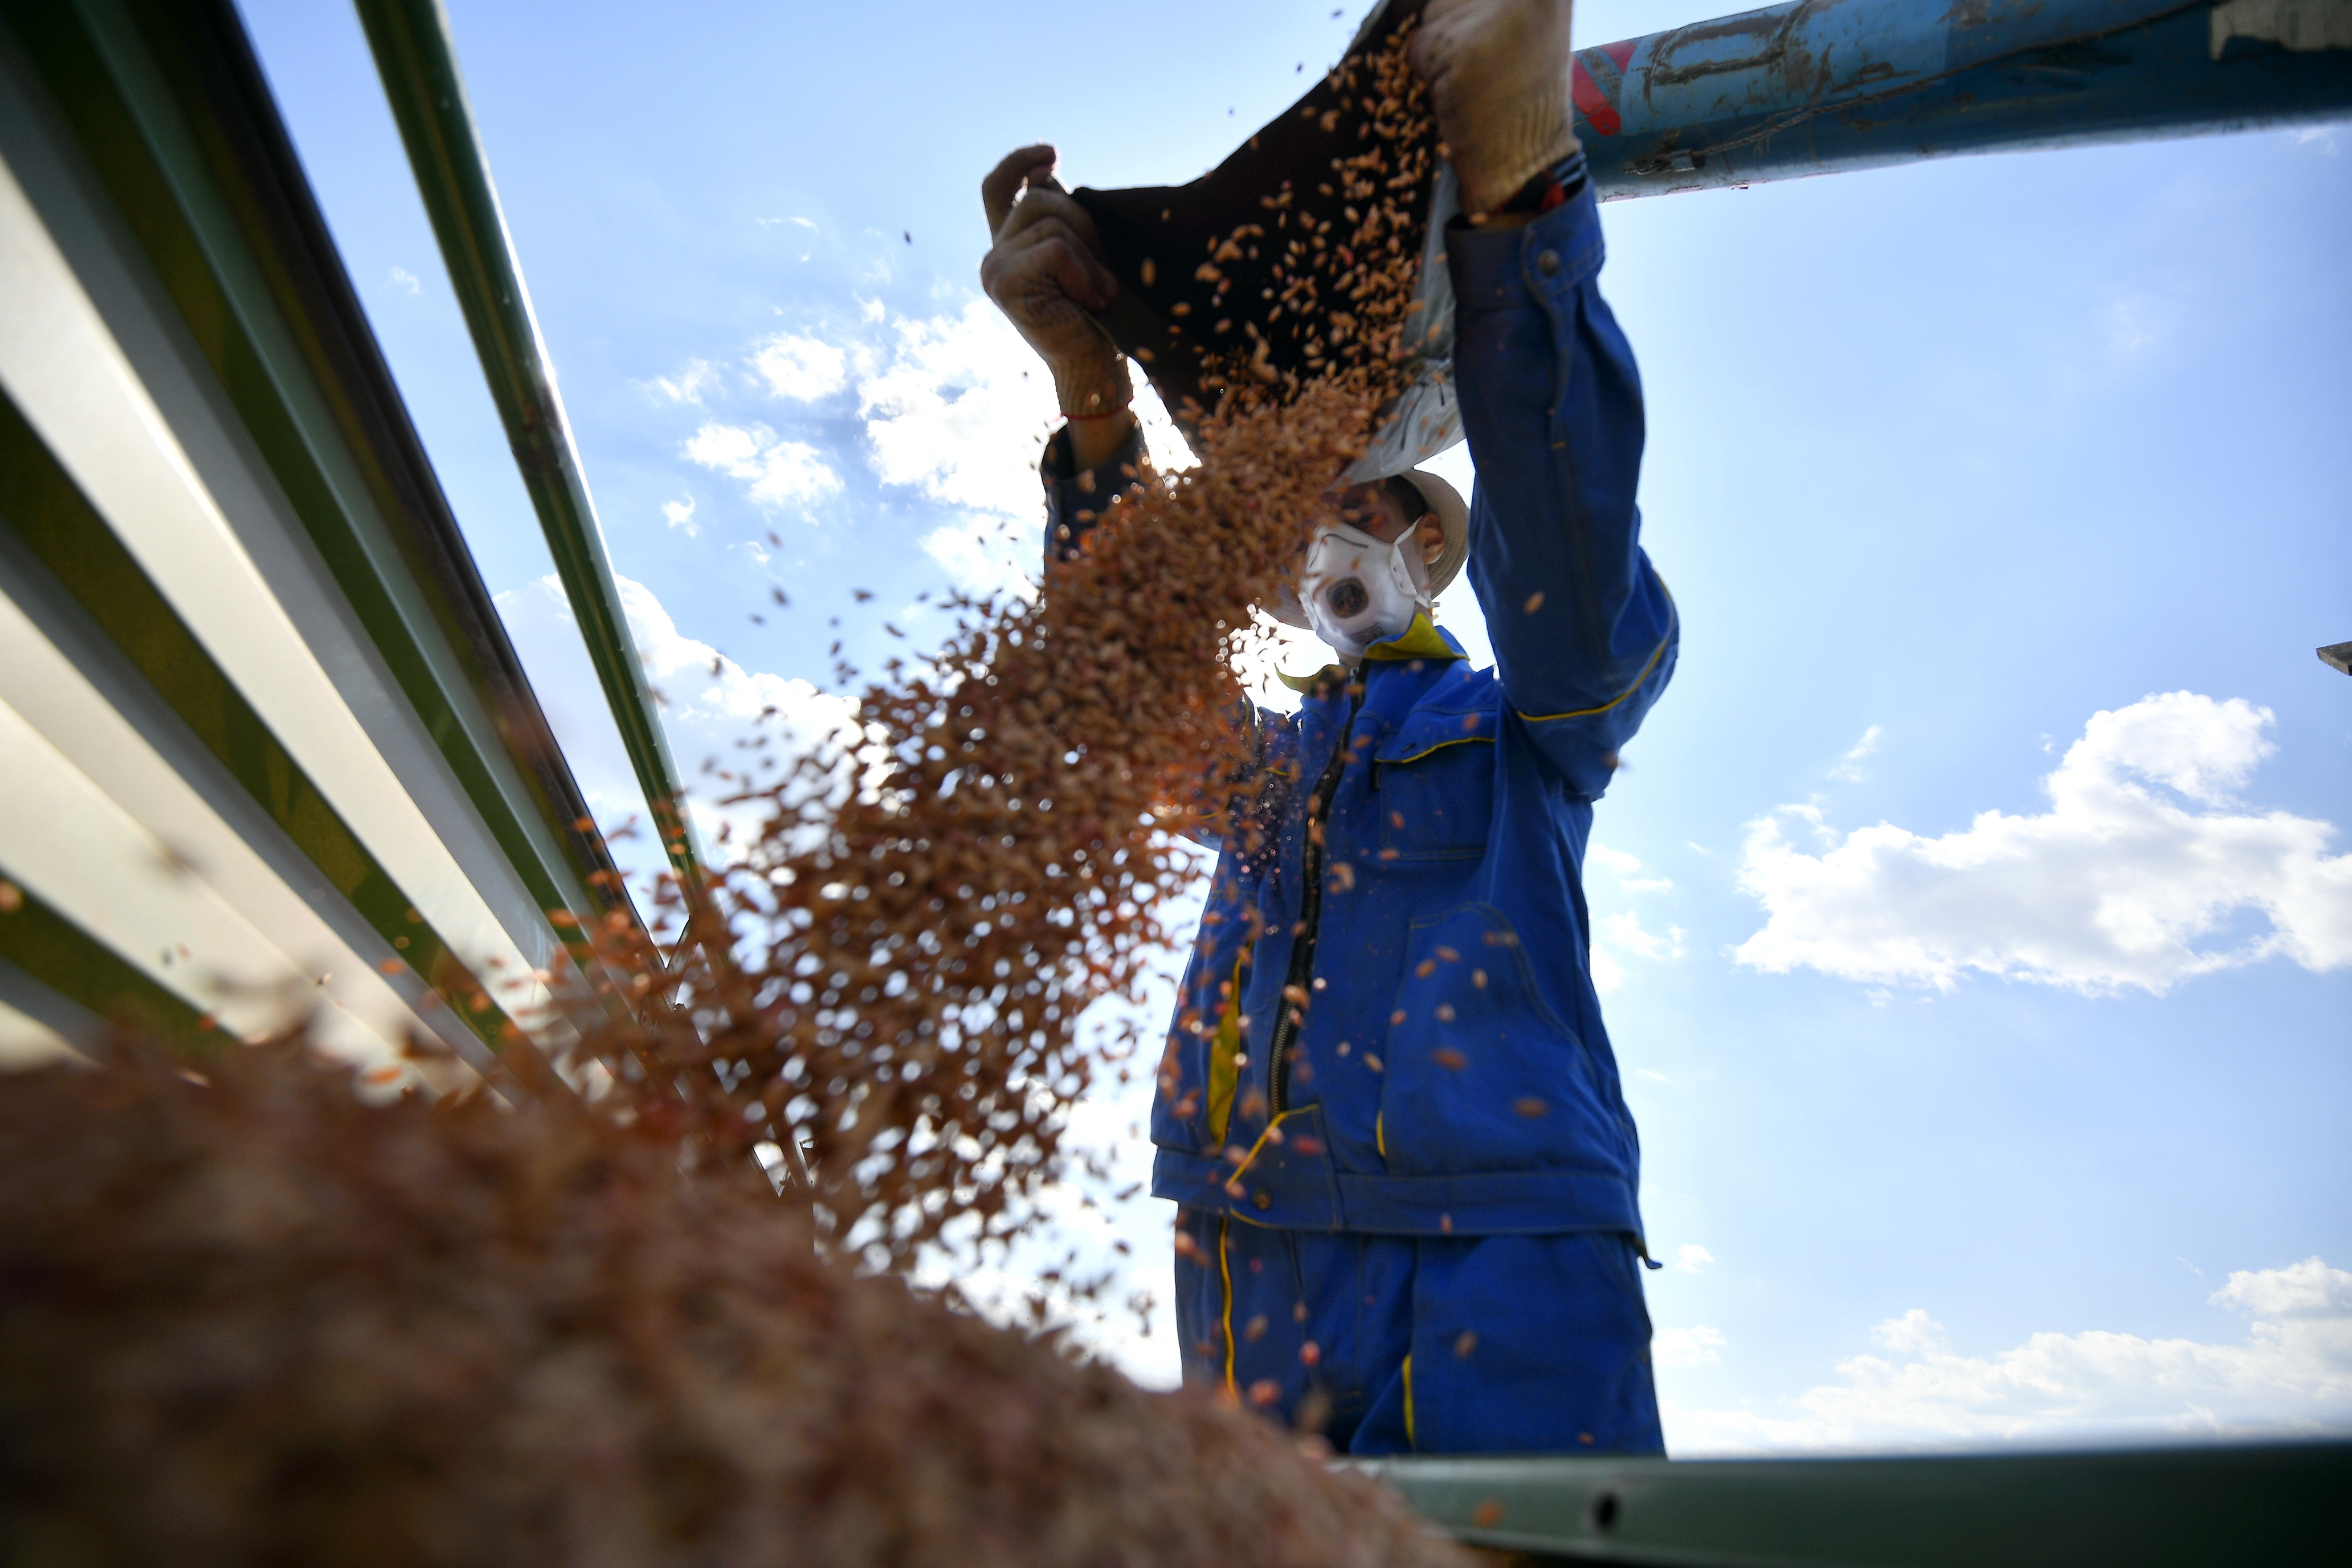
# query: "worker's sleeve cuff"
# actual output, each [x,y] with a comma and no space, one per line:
[1076,498]
[1495,269]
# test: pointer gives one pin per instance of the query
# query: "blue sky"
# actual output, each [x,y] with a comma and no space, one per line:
[1993,1058]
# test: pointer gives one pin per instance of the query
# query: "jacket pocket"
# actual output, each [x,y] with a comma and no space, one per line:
[1481,1074]
[1433,787]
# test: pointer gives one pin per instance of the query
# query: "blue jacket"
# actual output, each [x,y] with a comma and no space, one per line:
[1449,1073]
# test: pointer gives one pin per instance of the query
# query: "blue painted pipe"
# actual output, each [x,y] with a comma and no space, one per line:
[1818,86]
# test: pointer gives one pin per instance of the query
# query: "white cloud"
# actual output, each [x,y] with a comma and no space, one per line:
[2291,1375]
[959,412]
[987,553]
[702,685]
[959,408]
[1620,936]
[1626,868]
[776,470]
[712,705]
[800,369]
[1849,768]
[403,277]
[688,384]
[1625,934]
[680,514]
[1695,1346]
[2116,885]
[1691,1259]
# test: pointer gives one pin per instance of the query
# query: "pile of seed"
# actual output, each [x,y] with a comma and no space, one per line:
[250,1319]
[886,984]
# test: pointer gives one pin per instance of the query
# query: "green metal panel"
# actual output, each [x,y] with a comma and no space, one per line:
[168,108]
[43,507]
[39,941]
[2270,1504]
[419,67]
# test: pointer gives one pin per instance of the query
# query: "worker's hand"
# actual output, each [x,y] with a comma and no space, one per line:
[1045,273]
[1497,74]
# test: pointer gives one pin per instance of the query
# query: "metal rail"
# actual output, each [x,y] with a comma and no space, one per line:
[414,54]
[2251,1503]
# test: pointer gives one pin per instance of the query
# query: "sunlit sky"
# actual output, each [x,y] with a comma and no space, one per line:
[1975,910]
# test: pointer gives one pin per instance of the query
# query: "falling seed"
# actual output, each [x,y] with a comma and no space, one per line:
[1478,978]
[1464,1343]
[1530,1106]
[1150,272]
[1449,1058]
[1488,1515]
[1535,602]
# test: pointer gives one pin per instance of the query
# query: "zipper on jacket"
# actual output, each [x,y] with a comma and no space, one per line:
[1301,977]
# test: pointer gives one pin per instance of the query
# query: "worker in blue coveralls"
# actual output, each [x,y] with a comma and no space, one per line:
[1406,1210]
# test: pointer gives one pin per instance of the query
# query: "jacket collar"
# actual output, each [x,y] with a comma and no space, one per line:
[1424,639]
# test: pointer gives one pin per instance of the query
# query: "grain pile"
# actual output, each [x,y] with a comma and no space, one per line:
[255,1322]
[247,1318]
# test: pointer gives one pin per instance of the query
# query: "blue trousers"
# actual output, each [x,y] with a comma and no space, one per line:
[1399,1344]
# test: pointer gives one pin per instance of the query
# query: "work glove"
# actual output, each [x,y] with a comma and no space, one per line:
[1045,273]
[1498,73]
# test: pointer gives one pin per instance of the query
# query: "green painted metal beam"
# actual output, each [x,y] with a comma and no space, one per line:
[44,943]
[166,105]
[42,510]
[418,63]
[2248,1503]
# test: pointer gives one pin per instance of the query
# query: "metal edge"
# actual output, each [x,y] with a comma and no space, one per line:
[2240,1502]
[417,60]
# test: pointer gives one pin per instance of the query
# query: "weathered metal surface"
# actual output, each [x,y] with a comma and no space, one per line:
[1818,86]
[2249,1503]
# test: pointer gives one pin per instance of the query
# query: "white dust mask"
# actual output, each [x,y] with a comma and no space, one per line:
[1358,591]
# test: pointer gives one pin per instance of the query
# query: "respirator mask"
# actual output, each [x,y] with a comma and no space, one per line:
[1355,591]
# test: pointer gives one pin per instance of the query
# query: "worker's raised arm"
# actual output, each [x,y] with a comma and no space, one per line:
[1584,632]
[1045,270]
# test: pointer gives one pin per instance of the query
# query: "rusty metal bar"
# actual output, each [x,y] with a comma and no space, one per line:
[1815,86]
